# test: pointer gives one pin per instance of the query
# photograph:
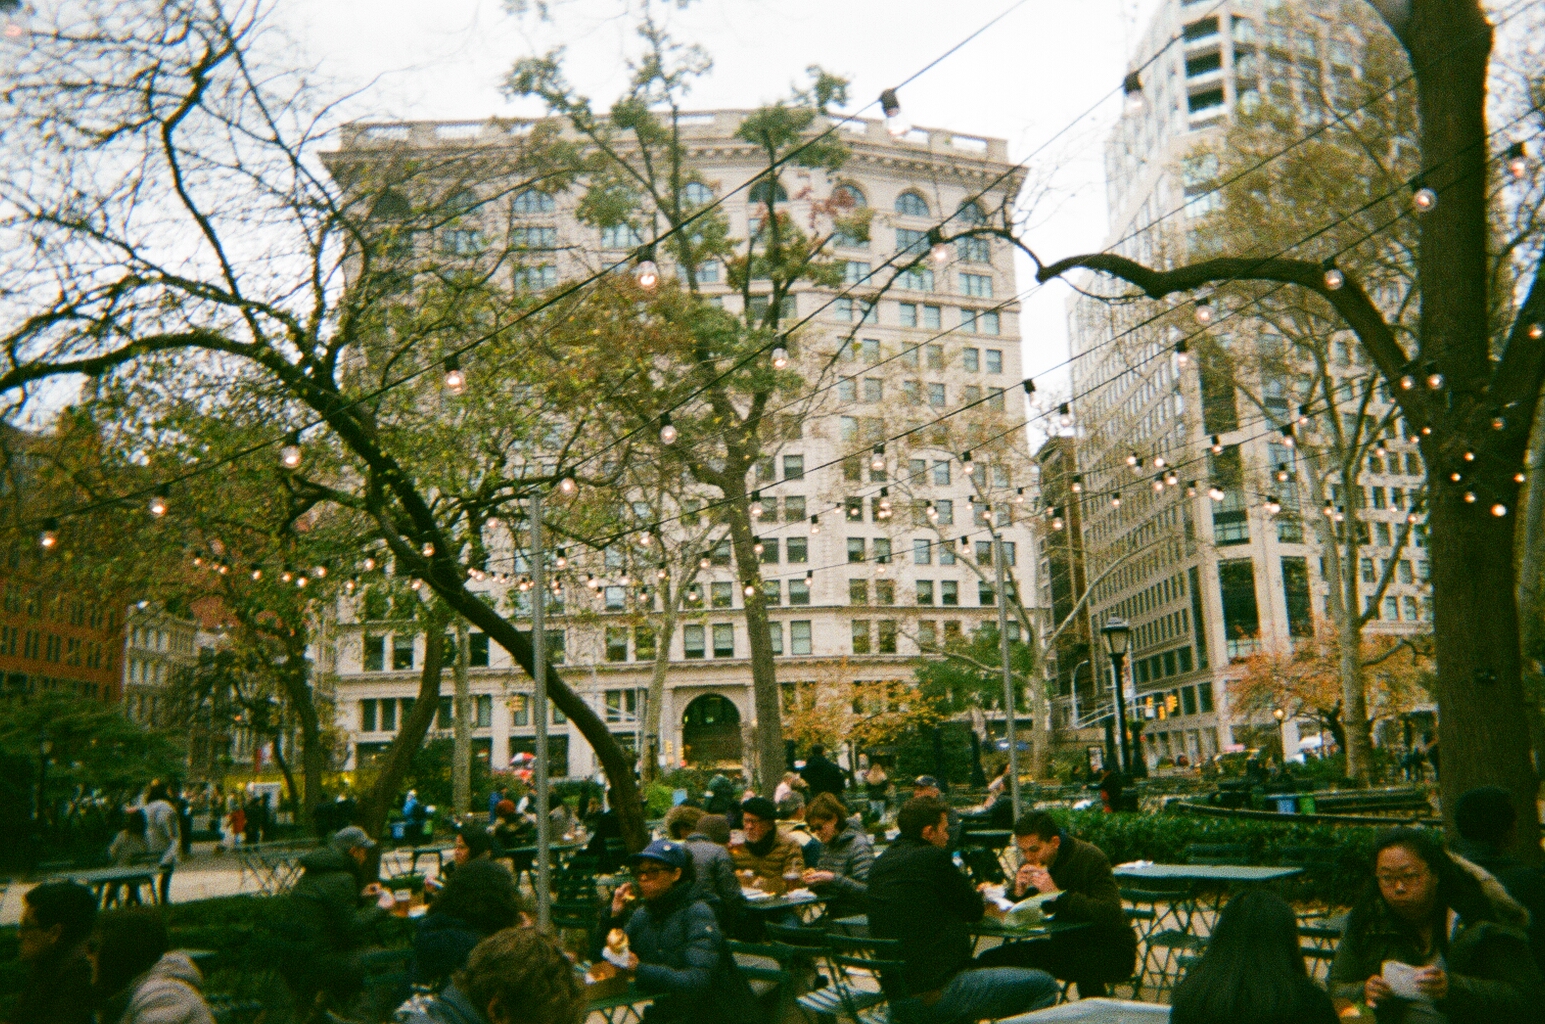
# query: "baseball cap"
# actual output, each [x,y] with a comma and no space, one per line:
[761,807]
[346,839]
[923,781]
[665,851]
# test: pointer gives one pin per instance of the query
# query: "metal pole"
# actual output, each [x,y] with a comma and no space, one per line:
[544,889]
[1118,663]
[1008,675]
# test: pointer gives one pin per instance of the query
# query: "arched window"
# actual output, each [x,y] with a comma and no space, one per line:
[532,201]
[697,194]
[763,190]
[846,200]
[910,204]
[970,214]
[391,206]
[848,197]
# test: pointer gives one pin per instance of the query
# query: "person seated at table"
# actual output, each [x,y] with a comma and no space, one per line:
[765,860]
[513,830]
[917,895]
[128,847]
[1462,934]
[714,869]
[926,786]
[139,978]
[1488,828]
[51,940]
[1079,874]
[327,919]
[480,899]
[680,821]
[1253,970]
[471,843]
[605,825]
[790,783]
[720,798]
[792,826]
[516,976]
[842,873]
[676,948]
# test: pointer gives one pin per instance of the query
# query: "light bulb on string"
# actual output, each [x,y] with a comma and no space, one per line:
[932,512]
[455,380]
[1132,93]
[1158,462]
[661,574]
[1217,445]
[1203,312]
[815,524]
[1115,500]
[1272,505]
[1334,278]
[286,576]
[1518,478]
[289,452]
[704,562]
[1424,199]
[222,569]
[1470,497]
[877,459]
[966,463]
[369,563]
[1499,510]
[1498,423]
[1158,484]
[1182,353]
[646,273]
[668,432]
[158,504]
[1172,479]
[625,580]
[567,485]
[780,358]
[1019,496]
[1303,415]
[758,548]
[884,511]
[1380,450]
[1434,377]
[1456,476]
[428,549]
[750,590]
[1283,474]
[1338,515]
[756,504]
[1469,456]
[939,250]
[1056,522]
[562,560]
[1536,331]
[320,572]
[1288,439]
[1191,491]
[1517,160]
[301,581]
[1216,493]
[416,584]
[895,121]
[1077,487]
[1407,382]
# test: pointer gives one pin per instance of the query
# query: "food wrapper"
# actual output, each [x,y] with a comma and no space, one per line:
[616,951]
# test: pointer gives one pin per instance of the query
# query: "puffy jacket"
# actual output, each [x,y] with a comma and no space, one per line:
[320,922]
[441,945]
[682,955]
[168,993]
[917,895]
[849,856]
[770,867]
[449,1007]
[1492,976]
[716,883]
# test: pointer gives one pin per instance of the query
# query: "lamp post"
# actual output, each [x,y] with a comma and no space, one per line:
[1281,717]
[539,709]
[45,748]
[1118,636]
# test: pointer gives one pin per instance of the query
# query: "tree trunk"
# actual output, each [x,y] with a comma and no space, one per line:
[649,765]
[301,703]
[1357,741]
[285,770]
[461,752]
[767,698]
[399,756]
[1531,596]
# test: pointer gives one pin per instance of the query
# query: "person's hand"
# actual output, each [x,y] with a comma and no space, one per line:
[1375,989]
[1433,982]
[814,876]
[1041,880]
[620,897]
[387,900]
[603,970]
[632,960]
[373,889]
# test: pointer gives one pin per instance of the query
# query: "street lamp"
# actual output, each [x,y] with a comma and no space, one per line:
[1281,717]
[1118,638]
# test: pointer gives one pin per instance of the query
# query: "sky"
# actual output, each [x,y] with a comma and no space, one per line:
[1027,79]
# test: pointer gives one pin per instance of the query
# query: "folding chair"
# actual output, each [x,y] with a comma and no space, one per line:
[768,969]
[858,963]
[1162,918]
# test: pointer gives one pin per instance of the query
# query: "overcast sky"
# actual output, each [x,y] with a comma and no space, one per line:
[1024,80]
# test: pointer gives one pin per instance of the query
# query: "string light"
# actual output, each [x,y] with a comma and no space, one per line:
[320,572]
[756,504]
[567,485]
[1469,456]
[222,569]
[815,524]
[1422,197]
[1338,515]
[158,504]
[646,273]
[1407,382]
[1329,510]
[1498,423]
[1456,476]
[939,252]
[1172,478]
[877,459]
[1434,378]
[1518,478]
[758,548]
[1077,486]
[1536,331]
[1158,462]
[1288,440]
[1413,518]
[369,563]
[300,581]
[1065,415]
[895,121]
[1380,450]
[1283,473]
[416,584]
[1334,278]
[289,452]
[1470,497]
[1217,445]
[1190,488]
[1029,386]
[455,380]
[1132,93]
[966,464]
[563,558]
[885,503]
[1216,493]
[1499,510]
[1056,522]
[1115,500]
[1272,506]
[1158,484]
[286,576]
[1203,311]
[704,562]
[1303,415]
[428,549]
[1182,353]
[750,590]
[49,538]
[1517,160]
[780,358]
[668,432]
[1019,496]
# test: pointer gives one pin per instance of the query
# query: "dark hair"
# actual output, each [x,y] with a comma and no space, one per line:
[1252,969]
[817,750]
[69,904]
[527,974]
[479,842]
[157,791]
[1486,815]
[1458,890]
[919,813]
[135,823]
[1037,823]
[483,894]
[826,807]
[128,943]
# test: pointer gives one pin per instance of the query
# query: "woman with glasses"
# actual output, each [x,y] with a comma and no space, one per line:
[675,949]
[1435,940]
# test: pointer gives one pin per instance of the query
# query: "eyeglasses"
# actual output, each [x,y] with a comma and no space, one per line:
[1403,880]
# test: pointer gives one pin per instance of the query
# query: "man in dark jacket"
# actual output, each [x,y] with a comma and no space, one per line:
[917,895]
[821,775]
[1079,872]
[56,921]
[327,919]
[1488,827]
[717,884]
[928,786]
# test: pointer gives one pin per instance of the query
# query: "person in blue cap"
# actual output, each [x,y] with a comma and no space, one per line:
[675,948]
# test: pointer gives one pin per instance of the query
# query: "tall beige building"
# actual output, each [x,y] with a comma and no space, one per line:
[866,554]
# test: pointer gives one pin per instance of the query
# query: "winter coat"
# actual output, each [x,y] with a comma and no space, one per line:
[1524,882]
[57,990]
[917,895]
[1108,950]
[320,921]
[683,961]
[716,883]
[441,945]
[798,833]
[849,856]
[168,993]
[1492,976]
[449,1007]
[822,776]
[771,866]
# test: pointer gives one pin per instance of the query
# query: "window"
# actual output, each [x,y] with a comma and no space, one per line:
[402,652]
[799,592]
[945,507]
[874,389]
[869,350]
[535,279]
[532,201]
[924,592]
[374,653]
[847,390]
[858,591]
[389,715]
[971,395]
[619,236]
[972,359]
[764,190]
[1392,609]
[949,592]
[853,309]
[986,595]
[861,637]
[984,552]
[616,599]
[922,551]
[799,637]
[935,356]
[882,550]
[973,250]
[775,635]
[854,509]
[846,199]
[910,204]
[720,554]
[769,550]
[916,279]
[477,650]
[885,592]
[644,643]
[535,237]
[557,647]
[722,595]
[793,467]
[994,359]
[723,640]
[616,643]
[1409,604]
[912,391]
[855,549]
[794,509]
[772,592]
[798,549]
[694,641]
[933,318]
[621,705]
[708,273]
[855,272]
[887,636]
[977,286]
[367,716]
[936,395]
[995,399]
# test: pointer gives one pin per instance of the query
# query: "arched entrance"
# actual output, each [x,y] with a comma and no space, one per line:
[710,731]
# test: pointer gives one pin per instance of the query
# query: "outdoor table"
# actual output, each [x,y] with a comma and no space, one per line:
[619,1006]
[101,880]
[779,903]
[1096,1011]
[435,850]
[992,927]
[996,838]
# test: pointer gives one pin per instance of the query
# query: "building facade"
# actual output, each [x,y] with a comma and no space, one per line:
[1204,523]
[872,547]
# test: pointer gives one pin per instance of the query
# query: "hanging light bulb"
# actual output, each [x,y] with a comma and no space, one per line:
[1499,510]
[750,590]
[1470,497]
[1517,160]
[369,563]
[1518,478]
[780,358]
[1536,331]
[933,513]
[1469,456]
[1158,484]
[646,273]
[455,380]
[567,485]
[938,250]
[1217,445]
[1380,450]
[885,503]
[1498,423]
[1191,488]
[286,576]
[1203,311]
[895,121]
[1077,486]
[1434,377]
[668,432]
[320,572]
[815,524]
[428,549]
[289,452]
[1334,278]
[1029,386]
[1132,93]
[704,562]
[158,504]
[1407,381]
[758,548]
[301,581]
[1115,500]
[416,584]
[661,574]
[966,463]
[877,459]
[562,560]
[1019,496]
[1338,515]
[1158,462]
[1056,522]
[756,504]
[348,587]
[1272,505]
[1456,476]
[1412,517]
[1216,493]
[48,539]
[1288,440]
[1172,479]
[1283,473]
[1182,353]
[1422,197]
[1303,415]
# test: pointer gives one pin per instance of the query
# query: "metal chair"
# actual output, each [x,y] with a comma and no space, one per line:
[857,962]
[1162,918]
